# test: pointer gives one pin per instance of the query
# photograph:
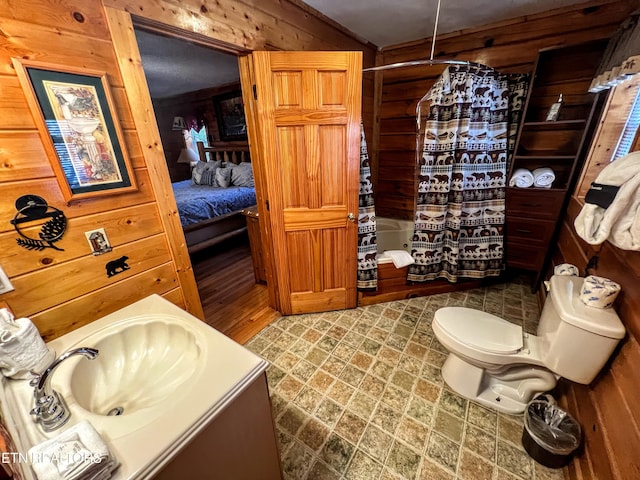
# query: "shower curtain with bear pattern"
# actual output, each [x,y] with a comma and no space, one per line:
[367,247]
[468,140]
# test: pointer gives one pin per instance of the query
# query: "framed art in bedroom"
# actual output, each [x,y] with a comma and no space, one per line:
[74,112]
[232,124]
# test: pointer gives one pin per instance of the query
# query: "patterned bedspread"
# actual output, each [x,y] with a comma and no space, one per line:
[201,202]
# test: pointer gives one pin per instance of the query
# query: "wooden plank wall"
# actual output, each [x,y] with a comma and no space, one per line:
[508,46]
[62,290]
[190,103]
[609,408]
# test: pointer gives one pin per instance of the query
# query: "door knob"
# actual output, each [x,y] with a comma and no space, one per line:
[351,217]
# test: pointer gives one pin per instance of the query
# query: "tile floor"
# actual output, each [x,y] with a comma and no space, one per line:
[357,394]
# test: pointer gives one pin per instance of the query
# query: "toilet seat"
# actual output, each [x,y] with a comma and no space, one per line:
[478,330]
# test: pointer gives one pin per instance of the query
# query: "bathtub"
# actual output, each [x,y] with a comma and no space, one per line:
[392,234]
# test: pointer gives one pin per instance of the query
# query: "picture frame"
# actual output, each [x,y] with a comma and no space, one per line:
[232,123]
[75,115]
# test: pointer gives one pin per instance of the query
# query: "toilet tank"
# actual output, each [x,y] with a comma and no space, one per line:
[577,340]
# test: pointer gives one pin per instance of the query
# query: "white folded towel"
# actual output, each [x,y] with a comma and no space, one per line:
[543,177]
[78,453]
[21,347]
[521,178]
[566,269]
[620,221]
[400,258]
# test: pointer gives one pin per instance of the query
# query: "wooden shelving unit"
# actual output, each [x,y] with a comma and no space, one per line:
[533,214]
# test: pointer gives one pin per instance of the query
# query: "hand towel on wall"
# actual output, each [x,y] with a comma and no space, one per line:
[521,178]
[21,347]
[620,222]
[543,177]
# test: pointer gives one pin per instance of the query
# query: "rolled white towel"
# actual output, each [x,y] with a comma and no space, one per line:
[21,347]
[543,177]
[521,178]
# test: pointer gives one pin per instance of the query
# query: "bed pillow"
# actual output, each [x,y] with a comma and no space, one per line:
[204,172]
[242,175]
[223,177]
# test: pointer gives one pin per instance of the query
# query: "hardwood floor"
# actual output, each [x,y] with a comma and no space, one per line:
[232,301]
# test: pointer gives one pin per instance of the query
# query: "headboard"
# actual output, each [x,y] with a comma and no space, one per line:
[233,154]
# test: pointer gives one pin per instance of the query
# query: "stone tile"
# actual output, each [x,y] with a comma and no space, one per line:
[287,360]
[362,360]
[545,473]
[480,442]
[386,418]
[372,385]
[376,442]
[403,461]
[321,381]
[427,390]
[333,365]
[420,410]
[436,358]
[351,375]
[449,425]
[278,404]
[312,336]
[371,347]
[382,370]
[433,471]
[272,352]
[396,341]
[413,433]
[337,332]
[284,340]
[472,467]
[403,330]
[289,387]
[362,404]
[363,467]
[322,325]
[292,419]
[304,370]
[416,350]
[344,351]
[389,355]
[482,417]
[274,375]
[514,460]
[257,344]
[453,403]
[329,412]
[296,461]
[378,334]
[316,356]
[410,365]
[403,380]
[297,329]
[308,399]
[327,343]
[351,427]
[337,452]
[395,397]
[341,392]
[443,451]
[432,373]
[320,471]
[510,430]
[313,434]
[353,338]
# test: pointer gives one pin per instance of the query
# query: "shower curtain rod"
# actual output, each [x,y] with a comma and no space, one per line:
[431,60]
[423,62]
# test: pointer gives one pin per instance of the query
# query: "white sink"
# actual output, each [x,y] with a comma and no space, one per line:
[142,363]
[170,373]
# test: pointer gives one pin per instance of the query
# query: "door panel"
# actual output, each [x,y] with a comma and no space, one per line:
[308,121]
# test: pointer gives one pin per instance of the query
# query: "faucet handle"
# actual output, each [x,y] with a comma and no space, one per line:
[35,379]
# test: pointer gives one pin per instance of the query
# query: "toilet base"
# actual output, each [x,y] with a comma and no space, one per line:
[508,391]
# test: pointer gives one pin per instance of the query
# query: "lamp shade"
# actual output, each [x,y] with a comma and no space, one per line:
[188,156]
[178,123]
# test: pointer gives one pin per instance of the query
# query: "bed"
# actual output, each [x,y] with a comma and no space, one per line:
[211,214]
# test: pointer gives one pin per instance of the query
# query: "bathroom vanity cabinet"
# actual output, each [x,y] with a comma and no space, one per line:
[239,444]
[533,214]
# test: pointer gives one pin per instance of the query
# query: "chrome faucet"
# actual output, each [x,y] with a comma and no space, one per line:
[50,409]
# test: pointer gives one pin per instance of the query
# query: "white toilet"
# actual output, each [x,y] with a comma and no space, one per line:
[495,363]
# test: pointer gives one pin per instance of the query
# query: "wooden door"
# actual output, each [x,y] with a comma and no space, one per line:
[306,138]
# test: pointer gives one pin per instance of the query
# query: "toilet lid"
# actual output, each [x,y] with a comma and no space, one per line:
[480,330]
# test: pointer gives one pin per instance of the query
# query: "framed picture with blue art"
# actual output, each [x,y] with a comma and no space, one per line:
[74,112]
[232,124]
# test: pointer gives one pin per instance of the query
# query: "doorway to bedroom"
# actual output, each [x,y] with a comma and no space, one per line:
[197,101]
